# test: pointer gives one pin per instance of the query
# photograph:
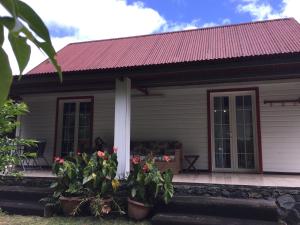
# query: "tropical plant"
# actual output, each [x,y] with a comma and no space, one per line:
[146,183]
[91,177]
[100,172]
[10,152]
[69,174]
[23,24]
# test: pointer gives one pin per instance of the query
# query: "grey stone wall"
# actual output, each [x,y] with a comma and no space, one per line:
[287,199]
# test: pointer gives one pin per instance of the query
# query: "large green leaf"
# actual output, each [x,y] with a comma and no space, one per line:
[5,76]
[8,22]
[9,5]
[1,35]
[26,13]
[21,50]
[49,50]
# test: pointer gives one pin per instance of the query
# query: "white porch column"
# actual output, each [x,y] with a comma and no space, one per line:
[122,125]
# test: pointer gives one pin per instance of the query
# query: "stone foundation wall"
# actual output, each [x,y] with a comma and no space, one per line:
[287,199]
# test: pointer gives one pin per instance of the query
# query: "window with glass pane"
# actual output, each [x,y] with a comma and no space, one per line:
[245,141]
[68,128]
[84,127]
[222,132]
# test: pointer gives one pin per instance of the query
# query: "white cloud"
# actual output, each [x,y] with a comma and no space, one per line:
[261,10]
[99,19]
[93,19]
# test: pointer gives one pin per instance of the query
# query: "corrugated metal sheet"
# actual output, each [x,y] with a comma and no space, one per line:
[224,42]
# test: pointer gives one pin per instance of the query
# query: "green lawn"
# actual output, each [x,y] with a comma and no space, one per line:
[32,220]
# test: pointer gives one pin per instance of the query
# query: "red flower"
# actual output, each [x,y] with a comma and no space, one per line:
[145,168]
[136,160]
[100,154]
[115,149]
[56,159]
[61,161]
[166,158]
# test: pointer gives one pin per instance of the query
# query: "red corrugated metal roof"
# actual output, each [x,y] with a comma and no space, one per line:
[225,42]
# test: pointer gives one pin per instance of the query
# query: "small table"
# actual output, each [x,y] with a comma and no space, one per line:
[191,160]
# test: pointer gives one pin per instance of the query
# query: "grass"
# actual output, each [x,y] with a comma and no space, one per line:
[35,220]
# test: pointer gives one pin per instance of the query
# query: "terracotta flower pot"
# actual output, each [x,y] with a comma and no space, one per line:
[137,210]
[69,204]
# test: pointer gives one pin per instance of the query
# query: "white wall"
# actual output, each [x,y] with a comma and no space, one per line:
[280,126]
[40,122]
[180,114]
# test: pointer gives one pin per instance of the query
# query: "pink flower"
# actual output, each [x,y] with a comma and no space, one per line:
[145,168]
[78,153]
[61,161]
[115,149]
[100,154]
[56,159]
[136,160]
[166,158]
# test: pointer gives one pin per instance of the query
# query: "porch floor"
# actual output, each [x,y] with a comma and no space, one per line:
[273,180]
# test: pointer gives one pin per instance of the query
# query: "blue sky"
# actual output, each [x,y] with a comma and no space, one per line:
[209,12]
[77,20]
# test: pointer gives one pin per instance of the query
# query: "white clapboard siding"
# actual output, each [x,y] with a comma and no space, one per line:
[177,115]
[280,127]
[180,113]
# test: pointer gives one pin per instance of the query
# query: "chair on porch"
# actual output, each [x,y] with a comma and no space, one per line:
[34,153]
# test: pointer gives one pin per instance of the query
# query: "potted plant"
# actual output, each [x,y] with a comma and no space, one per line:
[68,186]
[100,180]
[146,184]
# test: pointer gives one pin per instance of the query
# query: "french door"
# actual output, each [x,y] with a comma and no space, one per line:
[74,126]
[233,131]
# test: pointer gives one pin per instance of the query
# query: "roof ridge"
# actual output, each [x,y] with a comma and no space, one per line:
[183,31]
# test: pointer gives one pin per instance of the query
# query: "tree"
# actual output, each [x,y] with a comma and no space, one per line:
[23,24]
[9,112]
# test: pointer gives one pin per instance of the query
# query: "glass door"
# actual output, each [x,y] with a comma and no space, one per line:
[233,132]
[222,134]
[244,130]
[74,127]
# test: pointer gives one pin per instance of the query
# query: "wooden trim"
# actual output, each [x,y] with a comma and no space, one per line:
[209,132]
[258,130]
[252,69]
[258,126]
[57,115]
[56,126]
[282,173]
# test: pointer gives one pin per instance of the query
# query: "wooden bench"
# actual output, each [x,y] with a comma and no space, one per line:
[158,149]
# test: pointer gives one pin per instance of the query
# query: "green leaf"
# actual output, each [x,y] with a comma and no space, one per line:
[8,22]
[54,185]
[49,50]
[10,6]
[87,179]
[21,50]
[133,192]
[1,35]
[26,13]
[5,76]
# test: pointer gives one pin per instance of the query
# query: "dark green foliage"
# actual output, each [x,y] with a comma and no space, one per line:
[8,145]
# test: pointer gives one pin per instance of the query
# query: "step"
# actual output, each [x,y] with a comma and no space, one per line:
[225,207]
[22,208]
[26,181]
[24,193]
[183,219]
